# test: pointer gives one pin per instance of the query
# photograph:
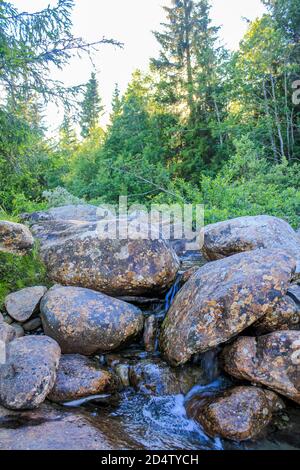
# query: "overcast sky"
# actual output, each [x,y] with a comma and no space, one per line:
[132,22]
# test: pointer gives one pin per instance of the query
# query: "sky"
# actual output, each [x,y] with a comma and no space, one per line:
[131,22]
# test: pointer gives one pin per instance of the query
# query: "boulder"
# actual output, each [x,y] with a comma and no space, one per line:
[155,377]
[23,304]
[78,377]
[15,238]
[249,233]
[76,254]
[222,299]
[86,322]
[286,316]
[272,360]
[29,373]
[239,414]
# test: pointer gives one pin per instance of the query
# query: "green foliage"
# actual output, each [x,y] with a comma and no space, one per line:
[249,185]
[91,108]
[17,272]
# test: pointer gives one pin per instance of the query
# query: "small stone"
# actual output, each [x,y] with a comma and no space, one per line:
[33,324]
[23,304]
[18,329]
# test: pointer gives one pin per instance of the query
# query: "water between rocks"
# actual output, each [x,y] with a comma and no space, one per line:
[136,421]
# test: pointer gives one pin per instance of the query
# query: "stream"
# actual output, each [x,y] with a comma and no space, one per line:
[136,421]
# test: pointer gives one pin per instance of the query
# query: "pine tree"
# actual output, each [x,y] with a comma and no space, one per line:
[92,107]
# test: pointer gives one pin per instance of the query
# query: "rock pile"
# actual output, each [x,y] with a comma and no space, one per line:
[79,340]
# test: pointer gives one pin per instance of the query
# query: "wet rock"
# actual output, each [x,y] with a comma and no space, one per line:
[286,316]
[294,293]
[32,325]
[7,332]
[29,373]
[76,254]
[78,377]
[18,329]
[188,274]
[239,414]
[272,360]
[88,322]
[53,428]
[249,233]
[122,371]
[150,333]
[222,299]
[15,238]
[155,377]
[23,304]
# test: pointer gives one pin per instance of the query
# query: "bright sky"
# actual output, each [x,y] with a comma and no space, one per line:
[132,22]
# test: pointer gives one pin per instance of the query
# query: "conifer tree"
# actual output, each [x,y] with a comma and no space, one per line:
[91,107]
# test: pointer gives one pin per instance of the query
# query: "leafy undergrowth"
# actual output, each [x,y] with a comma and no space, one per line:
[17,272]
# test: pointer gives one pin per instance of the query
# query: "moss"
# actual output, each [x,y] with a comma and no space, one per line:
[17,272]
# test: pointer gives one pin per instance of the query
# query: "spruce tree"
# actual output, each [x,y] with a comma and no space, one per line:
[91,107]
[116,103]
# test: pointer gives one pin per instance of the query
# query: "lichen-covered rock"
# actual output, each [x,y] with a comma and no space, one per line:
[239,414]
[29,373]
[15,238]
[78,377]
[222,299]
[285,316]
[23,304]
[86,322]
[76,254]
[272,360]
[155,377]
[249,233]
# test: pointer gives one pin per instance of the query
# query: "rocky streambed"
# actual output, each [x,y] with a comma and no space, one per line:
[165,351]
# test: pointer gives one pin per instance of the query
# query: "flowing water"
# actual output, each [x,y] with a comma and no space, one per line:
[136,421]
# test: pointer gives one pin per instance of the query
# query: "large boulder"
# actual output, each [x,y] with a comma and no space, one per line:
[78,377]
[21,305]
[86,322]
[285,316]
[76,254]
[222,299]
[155,377]
[249,233]
[272,360]
[29,373]
[15,238]
[238,414]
